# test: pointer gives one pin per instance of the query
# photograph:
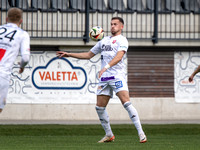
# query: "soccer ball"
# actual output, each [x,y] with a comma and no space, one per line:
[96,33]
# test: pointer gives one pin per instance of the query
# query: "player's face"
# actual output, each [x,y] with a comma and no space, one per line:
[116,27]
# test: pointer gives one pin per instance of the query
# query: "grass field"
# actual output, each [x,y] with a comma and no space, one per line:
[85,137]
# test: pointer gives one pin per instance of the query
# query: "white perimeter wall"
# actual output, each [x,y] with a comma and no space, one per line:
[157,109]
[149,109]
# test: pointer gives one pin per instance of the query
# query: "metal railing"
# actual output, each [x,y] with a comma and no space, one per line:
[171,19]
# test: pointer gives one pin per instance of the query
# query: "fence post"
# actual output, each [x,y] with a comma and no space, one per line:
[86,36]
[155,34]
[16,3]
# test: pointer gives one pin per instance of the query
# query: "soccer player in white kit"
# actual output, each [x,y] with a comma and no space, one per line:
[112,76]
[12,40]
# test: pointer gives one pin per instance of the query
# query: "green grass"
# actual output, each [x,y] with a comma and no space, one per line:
[85,137]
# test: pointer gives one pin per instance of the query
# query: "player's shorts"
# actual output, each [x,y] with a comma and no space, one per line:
[4,85]
[107,85]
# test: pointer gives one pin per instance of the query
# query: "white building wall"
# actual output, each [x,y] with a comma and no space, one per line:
[149,109]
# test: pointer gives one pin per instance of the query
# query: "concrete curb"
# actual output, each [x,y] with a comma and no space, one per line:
[79,122]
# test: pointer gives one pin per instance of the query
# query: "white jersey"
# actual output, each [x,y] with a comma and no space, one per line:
[108,47]
[12,40]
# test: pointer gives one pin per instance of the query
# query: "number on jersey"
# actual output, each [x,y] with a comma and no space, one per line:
[10,35]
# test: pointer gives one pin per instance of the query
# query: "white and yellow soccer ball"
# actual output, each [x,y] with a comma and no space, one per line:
[96,33]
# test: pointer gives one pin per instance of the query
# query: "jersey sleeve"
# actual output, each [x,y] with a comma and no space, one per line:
[97,48]
[25,44]
[123,45]
[25,50]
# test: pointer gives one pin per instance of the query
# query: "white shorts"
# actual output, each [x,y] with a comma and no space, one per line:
[107,85]
[4,85]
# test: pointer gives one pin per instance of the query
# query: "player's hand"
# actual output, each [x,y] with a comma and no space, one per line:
[191,78]
[102,71]
[21,70]
[62,54]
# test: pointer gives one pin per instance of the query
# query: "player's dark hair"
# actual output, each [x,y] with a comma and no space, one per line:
[118,18]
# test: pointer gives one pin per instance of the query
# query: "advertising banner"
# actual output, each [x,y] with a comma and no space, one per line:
[48,79]
[185,63]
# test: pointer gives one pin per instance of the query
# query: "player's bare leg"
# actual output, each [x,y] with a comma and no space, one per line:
[125,100]
[123,96]
[102,101]
[4,85]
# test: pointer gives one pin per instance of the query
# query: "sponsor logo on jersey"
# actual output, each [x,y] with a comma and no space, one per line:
[118,84]
[123,47]
[59,74]
[106,48]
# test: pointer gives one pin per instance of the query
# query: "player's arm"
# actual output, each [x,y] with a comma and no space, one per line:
[25,51]
[117,58]
[85,55]
[24,61]
[194,73]
[113,62]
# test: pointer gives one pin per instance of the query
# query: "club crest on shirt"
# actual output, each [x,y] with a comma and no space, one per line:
[114,41]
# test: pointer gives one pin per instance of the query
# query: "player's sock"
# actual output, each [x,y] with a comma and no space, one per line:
[103,117]
[134,116]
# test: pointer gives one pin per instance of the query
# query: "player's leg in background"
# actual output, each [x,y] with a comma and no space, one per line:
[4,85]
[133,114]
[102,101]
